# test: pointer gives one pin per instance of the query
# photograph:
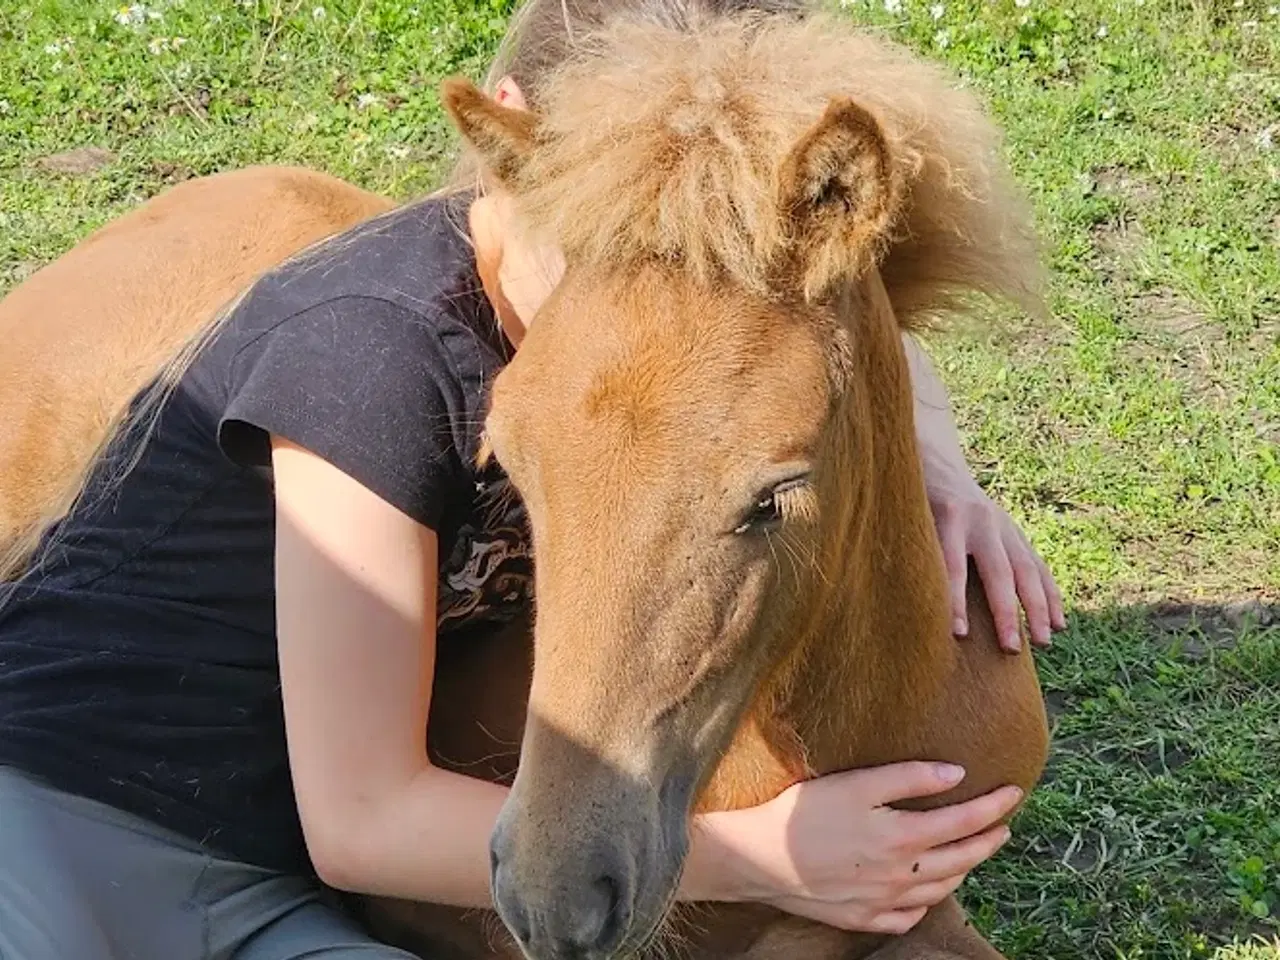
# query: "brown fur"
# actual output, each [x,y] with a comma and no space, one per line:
[84,334]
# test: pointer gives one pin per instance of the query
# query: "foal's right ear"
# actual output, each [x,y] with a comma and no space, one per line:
[501,136]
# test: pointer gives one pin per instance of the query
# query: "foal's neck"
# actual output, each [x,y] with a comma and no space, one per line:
[879,650]
[876,650]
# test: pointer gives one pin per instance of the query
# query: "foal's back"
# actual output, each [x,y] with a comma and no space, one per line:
[84,334]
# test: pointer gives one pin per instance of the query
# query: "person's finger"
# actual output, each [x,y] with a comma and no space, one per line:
[959,857]
[933,828]
[956,557]
[998,582]
[930,894]
[1030,587]
[904,781]
[1057,609]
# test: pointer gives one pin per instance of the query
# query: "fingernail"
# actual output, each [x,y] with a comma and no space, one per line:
[959,627]
[1012,642]
[1007,835]
[949,772]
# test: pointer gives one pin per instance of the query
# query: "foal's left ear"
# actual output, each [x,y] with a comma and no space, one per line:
[501,136]
[838,194]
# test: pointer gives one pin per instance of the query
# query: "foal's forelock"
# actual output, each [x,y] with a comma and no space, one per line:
[655,142]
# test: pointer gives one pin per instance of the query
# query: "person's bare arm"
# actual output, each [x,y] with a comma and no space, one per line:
[972,524]
[356,601]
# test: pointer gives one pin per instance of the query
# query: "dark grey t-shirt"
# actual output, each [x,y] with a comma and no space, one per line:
[138,663]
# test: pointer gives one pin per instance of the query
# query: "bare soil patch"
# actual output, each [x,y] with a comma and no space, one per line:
[80,162]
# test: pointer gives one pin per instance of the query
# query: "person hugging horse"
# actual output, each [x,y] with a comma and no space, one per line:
[216,667]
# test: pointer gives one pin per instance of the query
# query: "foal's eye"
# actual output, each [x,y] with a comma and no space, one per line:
[763,515]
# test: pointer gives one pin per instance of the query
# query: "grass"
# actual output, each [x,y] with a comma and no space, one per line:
[1136,436]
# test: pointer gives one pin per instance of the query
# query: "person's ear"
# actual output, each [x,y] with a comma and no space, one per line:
[510,95]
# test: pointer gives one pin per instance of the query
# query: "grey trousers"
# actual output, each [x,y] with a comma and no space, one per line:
[83,881]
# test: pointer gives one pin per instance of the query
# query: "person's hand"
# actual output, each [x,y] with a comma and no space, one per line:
[833,850]
[971,524]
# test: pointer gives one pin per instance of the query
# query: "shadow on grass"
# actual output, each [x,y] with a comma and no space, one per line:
[1156,829]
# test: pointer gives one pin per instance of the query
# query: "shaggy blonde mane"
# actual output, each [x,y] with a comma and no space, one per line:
[663,142]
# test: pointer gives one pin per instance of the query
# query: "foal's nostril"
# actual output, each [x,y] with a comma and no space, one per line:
[511,909]
[598,922]
[605,923]
[577,908]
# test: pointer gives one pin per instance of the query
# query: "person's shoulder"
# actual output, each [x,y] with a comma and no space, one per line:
[417,257]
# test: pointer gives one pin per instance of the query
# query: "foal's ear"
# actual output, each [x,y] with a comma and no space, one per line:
[838,193]
[502,137]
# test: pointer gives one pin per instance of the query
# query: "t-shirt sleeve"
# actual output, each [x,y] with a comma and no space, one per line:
[364,383]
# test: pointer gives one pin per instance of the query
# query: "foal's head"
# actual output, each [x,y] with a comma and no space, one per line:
[691,422]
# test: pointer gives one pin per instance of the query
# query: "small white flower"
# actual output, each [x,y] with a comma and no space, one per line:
[366,100]
[893,6]
[1273,11]
[1250,25]
[1022,4]
[937,11]
[1102,32]
[942,38]
[1266,139]
[154,15]
[318,13]
[1239,4]
[53,49]
[5,108]
[216,18]
[1109,113]
[397,152]
[133,15]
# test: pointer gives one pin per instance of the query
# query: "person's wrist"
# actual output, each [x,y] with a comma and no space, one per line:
[947,482]
[716,868]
